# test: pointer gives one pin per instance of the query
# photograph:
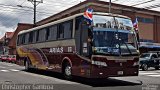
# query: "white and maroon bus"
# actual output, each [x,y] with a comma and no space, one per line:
[106,48]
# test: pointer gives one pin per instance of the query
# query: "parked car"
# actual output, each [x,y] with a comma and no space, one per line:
[4,58]
[150,59]
[12,58]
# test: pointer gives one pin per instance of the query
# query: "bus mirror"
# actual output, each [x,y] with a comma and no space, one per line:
[90,41]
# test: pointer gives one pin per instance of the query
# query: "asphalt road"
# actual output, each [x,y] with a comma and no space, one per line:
[15,76]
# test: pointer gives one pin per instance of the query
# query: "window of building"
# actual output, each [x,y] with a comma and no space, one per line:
[145,20]
[149,20]
[140,19]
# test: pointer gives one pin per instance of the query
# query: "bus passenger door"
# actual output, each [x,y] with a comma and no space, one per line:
[86,40]
[81,38]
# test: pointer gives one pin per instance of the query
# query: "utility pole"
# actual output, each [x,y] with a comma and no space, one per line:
[34,12]
[35,3]
[110,6]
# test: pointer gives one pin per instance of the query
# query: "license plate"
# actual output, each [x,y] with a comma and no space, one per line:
[120,72]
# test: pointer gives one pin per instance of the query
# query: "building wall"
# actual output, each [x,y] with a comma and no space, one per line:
[1,48]
[157,29]
[146,29]
[12,43]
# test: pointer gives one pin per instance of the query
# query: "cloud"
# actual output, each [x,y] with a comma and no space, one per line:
[8,21]
[4,29]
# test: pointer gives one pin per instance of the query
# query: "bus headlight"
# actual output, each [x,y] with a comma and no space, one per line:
[136,63]
[99,63]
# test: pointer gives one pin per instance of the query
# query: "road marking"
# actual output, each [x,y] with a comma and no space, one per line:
[4,70]
[146,73]
[154,75]
[158,71]
[9,65]
[150,74]
[2,67]
[14,70]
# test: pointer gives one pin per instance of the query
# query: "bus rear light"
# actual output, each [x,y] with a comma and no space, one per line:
[99,63]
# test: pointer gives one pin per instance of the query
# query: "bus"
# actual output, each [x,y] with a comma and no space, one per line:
[105,48]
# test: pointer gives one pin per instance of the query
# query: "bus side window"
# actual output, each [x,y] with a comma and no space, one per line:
[26,38]
[61,31]
[34,36]
[68,29]
[53,32]
[30,37]
[42,34]
[23,38]
[18,40]
[47,33]
[37,35]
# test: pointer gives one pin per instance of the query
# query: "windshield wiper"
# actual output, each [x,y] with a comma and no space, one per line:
[126,46]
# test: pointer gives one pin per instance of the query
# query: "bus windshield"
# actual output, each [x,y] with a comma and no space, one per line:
[113,35]
[112,22]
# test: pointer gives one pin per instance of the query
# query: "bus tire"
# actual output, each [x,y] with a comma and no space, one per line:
[144,67]
[67,71]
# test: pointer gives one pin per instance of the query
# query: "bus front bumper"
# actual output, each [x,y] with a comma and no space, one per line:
[105,72]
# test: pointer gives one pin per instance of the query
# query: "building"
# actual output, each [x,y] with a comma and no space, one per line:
[8,42]
[4,41]
[12,43]
[149,21]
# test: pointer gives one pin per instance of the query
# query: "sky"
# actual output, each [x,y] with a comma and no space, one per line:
[11,14]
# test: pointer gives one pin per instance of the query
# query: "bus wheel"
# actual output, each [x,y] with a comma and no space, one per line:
[144,67]
[67,71]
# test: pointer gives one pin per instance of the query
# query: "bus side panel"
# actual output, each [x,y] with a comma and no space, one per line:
[35,55]
[80,66]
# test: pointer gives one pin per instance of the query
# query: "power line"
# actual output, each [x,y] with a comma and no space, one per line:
[23,11]
[143,3]
[23,2]
[17,8]
[69,3]
[153,6]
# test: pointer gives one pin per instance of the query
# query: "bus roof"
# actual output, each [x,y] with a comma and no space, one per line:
[69,18]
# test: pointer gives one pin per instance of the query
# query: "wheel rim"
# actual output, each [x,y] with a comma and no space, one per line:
[68,71]
[145,67]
